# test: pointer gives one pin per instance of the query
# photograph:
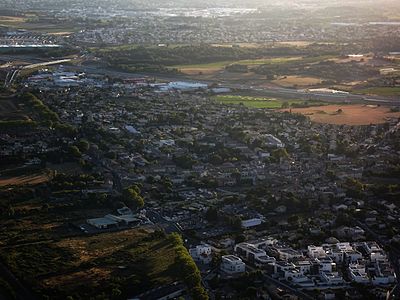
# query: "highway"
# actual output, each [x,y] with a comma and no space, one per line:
[44,64]
[268,91]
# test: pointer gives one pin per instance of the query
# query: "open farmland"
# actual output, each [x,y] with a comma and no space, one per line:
[30,22]
[349,114]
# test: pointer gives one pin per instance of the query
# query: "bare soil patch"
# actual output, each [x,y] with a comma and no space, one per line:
[24,179]
[349,115]
[291,81]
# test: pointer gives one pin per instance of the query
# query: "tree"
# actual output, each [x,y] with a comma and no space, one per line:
[212,214]
[343,219]
[294,220]
[132,196]
[116,293]
[187,269]
[251,292]
[280,153]
[75,151]
[83,145]
[235,222]
[240,238]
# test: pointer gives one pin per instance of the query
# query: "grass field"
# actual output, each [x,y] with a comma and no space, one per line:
[208,68]
[258,102]
[350,115]
[381,91]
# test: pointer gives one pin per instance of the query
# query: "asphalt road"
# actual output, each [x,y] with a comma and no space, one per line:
[277,92]
[157,219]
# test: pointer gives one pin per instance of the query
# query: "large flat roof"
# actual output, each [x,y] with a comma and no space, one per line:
[102,221]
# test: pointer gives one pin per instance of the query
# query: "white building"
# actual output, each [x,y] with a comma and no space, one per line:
[353,255]
[358,273]
[332,278]
[251,222]
[232,264]
[264,242]
[326,264]
[253,254]
[272,141]
[316,252]
[293,274]
[201,253]
[384,273]
[288,253]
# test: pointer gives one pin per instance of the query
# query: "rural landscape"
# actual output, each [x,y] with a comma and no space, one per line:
[199,149]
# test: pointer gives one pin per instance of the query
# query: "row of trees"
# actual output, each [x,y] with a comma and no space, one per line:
[187,269]
[45,113]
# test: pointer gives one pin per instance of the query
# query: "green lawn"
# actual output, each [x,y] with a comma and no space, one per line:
[250,101]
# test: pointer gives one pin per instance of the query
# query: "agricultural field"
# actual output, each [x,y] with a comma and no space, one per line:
[260,102]
[12,20]
[297,81]
[348,114]
[32,23]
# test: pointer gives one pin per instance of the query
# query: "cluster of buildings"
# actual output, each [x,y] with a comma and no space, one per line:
[166,30]
[61,78]
[22,38]
[329,266]
[214,170]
